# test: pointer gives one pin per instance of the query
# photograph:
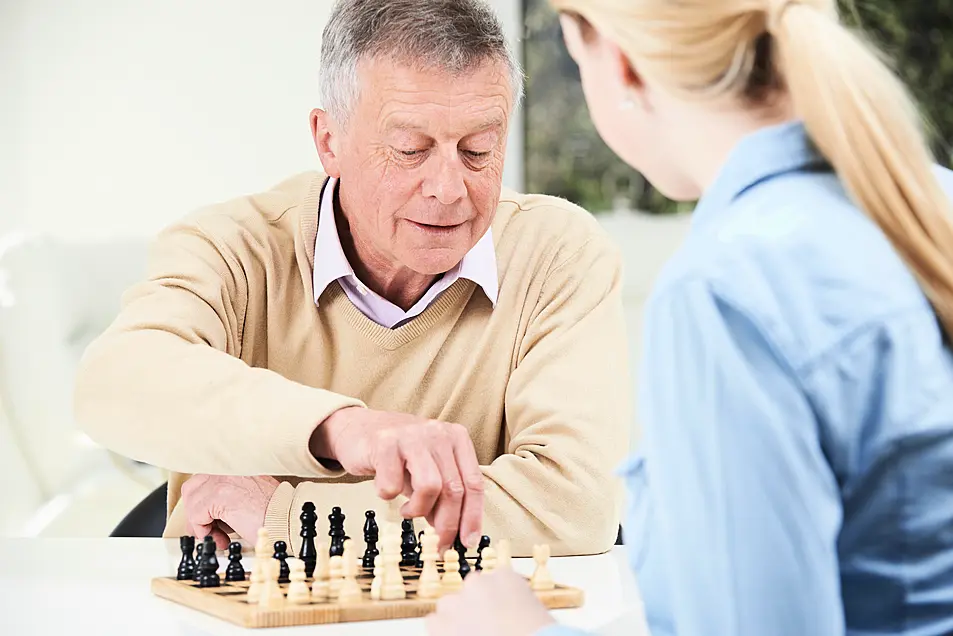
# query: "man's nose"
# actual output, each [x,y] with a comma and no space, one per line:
[446,183]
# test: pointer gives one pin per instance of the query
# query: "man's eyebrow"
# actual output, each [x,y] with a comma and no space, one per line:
[494,121]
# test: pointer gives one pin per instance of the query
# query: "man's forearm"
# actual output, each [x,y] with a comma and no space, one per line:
[152,396]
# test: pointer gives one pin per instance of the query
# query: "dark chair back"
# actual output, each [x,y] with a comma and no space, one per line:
[147,519]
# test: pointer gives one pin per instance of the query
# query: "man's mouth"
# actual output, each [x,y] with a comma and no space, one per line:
[435,228]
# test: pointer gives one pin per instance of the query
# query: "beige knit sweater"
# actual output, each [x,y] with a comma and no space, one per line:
[220,363]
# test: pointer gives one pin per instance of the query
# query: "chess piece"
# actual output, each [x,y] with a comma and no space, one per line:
[258,571]
[392,584]
[281,554]
[322,570]
[420,558]
[408,544]
[234,571]
[187,564]
[350,591]
[298,591]
[428,586]
[336,576]
[484,544]
[271,595]
[489,559]
[378,579]
[462,557]
[503,554]
[209,565]
[452,581]
[541,579]
[199,550]
[336,519]
[307,553]
[371,536]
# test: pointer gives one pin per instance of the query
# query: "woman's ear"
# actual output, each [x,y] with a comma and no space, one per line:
[629,78]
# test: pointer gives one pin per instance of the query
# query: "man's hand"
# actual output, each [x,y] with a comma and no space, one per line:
[499,603]
[431,462]
[238,503]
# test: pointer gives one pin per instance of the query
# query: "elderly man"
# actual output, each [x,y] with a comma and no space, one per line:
[397,325]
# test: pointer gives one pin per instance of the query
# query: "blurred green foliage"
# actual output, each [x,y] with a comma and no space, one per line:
[566,157]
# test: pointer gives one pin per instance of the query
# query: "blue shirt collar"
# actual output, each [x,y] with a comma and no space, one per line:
[759,156]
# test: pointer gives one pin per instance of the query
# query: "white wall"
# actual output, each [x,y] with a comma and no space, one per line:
[120,117]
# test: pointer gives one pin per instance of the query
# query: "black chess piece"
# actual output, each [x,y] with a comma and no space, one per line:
[234,571]
[199,550]
[187,564]
[209,565]
[408,545]
[420,549]
[336,518]
[308,553]
[371,537]
[484,543]
[281,553]
[462,551]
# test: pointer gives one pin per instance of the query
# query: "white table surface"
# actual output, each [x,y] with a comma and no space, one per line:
[101,587]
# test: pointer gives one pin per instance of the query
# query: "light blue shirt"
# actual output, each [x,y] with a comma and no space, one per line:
[797,399]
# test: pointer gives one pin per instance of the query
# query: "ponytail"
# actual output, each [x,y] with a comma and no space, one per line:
[863,121]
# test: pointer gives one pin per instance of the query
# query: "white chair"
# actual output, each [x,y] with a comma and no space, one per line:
[55,298]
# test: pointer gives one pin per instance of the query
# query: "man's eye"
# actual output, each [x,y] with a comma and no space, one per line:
[410,153]
[478,155]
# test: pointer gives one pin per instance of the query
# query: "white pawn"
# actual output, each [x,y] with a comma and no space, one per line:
[258,572]
[489,559]
[378,579]
[336,576]
[392,586]
[503,554]
[350,589]
[271,594]
[428,586]
[451,581]
[298,591]
[541,579]
[322,570]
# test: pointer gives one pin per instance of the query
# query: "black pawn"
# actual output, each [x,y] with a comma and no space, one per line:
[281,553]
[484,543]
[336,519]
[234,571]
[371,536]
[462,551]
[209,565]
[308,553]
[420,549]
[198,559]
[408,545]
[187,564]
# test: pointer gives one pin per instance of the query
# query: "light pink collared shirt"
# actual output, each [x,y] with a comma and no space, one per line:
[330,264]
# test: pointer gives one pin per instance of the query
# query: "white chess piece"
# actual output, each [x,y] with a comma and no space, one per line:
[541,579]
[428,586]
[336,576]
[258,572]
[350,591]
[378,579]
[298,591]
[451,581]
[489,559]
[320,589]
[503,554]
[271,594]
[392,587]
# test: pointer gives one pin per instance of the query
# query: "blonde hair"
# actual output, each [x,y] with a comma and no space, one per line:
[855,109]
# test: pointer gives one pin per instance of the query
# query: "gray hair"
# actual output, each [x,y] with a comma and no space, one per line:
[452,35]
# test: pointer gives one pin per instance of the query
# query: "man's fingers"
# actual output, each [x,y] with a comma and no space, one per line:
[471,515]
[450,502]
[425,481]
[388,468]
[221,539]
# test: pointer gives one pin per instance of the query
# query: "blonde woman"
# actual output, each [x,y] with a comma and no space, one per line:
[797,387]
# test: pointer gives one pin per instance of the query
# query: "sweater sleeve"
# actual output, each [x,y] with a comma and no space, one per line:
[567,413]
[167,373]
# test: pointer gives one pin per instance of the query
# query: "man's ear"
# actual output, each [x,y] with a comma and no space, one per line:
[326,141]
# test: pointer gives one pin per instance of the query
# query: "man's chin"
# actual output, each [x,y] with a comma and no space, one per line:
[435,261]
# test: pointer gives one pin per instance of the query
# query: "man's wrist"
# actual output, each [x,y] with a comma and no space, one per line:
[325,433]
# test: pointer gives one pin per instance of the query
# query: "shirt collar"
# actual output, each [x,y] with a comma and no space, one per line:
[330,263]
[759,156]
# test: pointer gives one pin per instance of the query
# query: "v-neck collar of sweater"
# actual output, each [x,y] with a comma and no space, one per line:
[386,338]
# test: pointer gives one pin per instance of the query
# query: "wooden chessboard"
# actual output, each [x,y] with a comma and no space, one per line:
[229,603]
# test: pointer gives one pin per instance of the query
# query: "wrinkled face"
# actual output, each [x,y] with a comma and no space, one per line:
[637,123]
[420,162]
